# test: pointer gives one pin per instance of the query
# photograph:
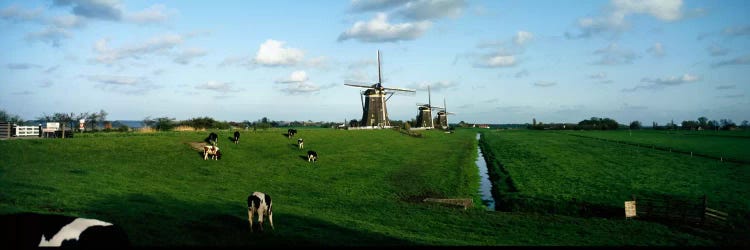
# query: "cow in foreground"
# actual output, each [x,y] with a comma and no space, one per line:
[213,139]
[236,137]
[261,204]
[28,230]
[211,152]
[300,143]
[312,156]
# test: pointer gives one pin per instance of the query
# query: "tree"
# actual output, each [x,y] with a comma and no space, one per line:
[727,124]
[703,121]
[744,124]
[635,125]
[164,123]
[7,117]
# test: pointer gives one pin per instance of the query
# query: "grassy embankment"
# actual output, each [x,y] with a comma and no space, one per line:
[363,191]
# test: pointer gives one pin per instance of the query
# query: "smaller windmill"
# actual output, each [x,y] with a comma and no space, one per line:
[424,117]
[442,116]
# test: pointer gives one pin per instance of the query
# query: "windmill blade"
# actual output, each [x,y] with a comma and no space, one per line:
[356,85]
[401,89]
[380,78]
[358,82]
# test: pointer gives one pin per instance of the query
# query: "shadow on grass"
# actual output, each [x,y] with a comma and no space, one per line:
[160,220]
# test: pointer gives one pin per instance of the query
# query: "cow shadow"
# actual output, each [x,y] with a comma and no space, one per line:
[286,135]
[162,220]
[231,139]
[303,157]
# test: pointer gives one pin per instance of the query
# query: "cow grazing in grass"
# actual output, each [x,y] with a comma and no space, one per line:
[261,204]
[291,132]
[213,139]
[312,156]
[211,152]
[300,143]
[236,137]
[28,230]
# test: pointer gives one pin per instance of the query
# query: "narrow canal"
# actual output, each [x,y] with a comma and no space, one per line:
[484,184]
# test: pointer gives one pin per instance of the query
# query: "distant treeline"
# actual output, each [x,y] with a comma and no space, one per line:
[596,123]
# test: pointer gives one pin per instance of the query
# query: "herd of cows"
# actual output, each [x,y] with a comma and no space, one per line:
[26,230]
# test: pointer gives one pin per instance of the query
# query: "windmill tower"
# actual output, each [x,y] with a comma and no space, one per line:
[374,111]
[442,116]
[424,117]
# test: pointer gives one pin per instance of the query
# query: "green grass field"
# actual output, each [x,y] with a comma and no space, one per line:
[718,144]
[552,166]
[364,191]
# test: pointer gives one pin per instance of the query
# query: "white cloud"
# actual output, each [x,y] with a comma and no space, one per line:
[96,9]
[189,54]
[379,30]
[300,88]
[741,60]
[107,55]
[614,55]
[21,66]
[17,14]
[544,84]
[434,86]
[295,77]
[115,80]
[373,5]
[614,19]
[656,50]
[523,37]
[217,86]
[598,76]
[497,61]
[51,35]
[154,14]
[673,80]
[430,9]
[273,53]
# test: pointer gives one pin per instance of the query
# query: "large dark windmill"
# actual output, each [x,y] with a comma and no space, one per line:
[374,112]
[424,117]
[442,116]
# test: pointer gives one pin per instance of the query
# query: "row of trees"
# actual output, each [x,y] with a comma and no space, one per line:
[702,123]
[595,123]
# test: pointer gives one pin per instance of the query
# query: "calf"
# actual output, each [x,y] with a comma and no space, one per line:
[236,137]
[212,152]
[300,143]
[27,230]
[213,139]
[312,156]
[259,203]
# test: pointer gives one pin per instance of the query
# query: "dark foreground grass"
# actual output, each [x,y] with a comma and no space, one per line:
[364,191]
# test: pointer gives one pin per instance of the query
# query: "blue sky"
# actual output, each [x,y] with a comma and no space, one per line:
[492,61]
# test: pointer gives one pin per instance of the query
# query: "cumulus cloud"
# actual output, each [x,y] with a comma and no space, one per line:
[295,77]
[107,55]
[379,30]
[722,87]
[614,55]
[523,37]
[189,54]
[430,9]
[153,14]
[741,60]
[115,80]
[544,84]
[300,88]
[273,53]
[17,14]
[497,61]
[614,18]
[122,84]
[373,5]
[50,35]
[659,83]
[96,9]
[656,50]
[223,87]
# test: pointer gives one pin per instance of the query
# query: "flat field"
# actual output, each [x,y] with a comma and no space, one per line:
[557,167]
[365,190]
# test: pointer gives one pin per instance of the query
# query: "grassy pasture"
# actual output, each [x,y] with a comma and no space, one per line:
[364,190]
[547,165]
[726,144]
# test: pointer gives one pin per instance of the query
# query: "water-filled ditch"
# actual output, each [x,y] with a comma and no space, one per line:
[485,185]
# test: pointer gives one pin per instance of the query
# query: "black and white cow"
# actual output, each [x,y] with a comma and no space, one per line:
[291,132]
[312,156]
[300,143]
[212,139]
[236,137]
[27,230]
[261,204]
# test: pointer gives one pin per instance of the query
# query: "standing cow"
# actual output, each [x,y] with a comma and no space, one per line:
[213,139]
[300,143]
[30,230]
[312,156]
[259,203]
[291,132]
[236,137]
